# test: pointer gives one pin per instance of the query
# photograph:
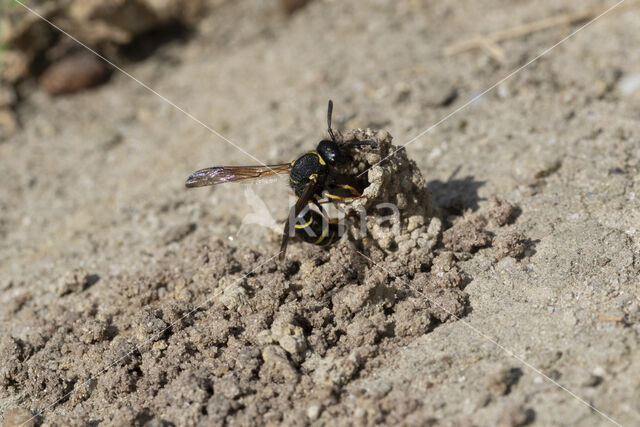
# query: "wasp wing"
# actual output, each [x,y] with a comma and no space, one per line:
[222,174]
[302,201]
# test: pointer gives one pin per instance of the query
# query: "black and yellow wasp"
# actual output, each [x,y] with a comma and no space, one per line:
[313,177]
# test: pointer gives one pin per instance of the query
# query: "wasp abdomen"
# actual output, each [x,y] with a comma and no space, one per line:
[313,228]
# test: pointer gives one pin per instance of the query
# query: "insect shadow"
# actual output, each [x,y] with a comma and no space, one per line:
[456,195]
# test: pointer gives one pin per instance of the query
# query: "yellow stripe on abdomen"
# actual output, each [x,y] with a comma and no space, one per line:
[301,226]
[322,236]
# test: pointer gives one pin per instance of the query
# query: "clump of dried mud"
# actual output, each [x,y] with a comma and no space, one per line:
[219,334]
[394,184]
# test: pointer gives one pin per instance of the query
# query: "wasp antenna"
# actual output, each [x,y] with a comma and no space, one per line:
[329,112]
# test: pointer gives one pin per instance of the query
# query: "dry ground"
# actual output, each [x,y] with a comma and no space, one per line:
[94,183]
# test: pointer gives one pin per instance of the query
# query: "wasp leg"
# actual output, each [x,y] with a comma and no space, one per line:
[334,197]
[342,199]
[330,220]
[302,202]
[321,209]
[351,189]
[318,204]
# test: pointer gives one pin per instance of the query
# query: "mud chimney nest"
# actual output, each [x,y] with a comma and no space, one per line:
[396,214]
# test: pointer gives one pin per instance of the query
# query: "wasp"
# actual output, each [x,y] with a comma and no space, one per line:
[315,179]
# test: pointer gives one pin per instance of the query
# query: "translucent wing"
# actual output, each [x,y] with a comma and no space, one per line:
[222,174]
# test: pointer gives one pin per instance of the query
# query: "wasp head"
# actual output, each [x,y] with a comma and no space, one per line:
[330,152]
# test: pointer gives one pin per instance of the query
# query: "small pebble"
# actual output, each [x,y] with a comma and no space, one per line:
[73,281]
[509,244]
[629,84]
[592,381]
[313,412]
[74,73]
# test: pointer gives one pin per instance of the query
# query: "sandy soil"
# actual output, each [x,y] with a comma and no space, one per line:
[127,299]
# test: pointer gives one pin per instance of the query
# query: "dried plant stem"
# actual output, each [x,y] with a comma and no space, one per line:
[489,42]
